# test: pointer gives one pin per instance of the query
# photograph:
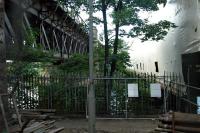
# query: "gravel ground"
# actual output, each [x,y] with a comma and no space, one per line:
[108,125]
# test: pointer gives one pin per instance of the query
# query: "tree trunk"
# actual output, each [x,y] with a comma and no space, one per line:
[3,88]
[115,45]
[106,62]
[115,50]
[106,56]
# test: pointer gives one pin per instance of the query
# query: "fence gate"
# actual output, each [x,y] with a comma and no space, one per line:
[127,97]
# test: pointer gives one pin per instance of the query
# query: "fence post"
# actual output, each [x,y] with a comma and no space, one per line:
[46,81]
[164,100]
[107,94]
[126,103]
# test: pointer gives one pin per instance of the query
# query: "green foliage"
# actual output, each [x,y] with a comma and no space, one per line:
[31,54]
[153,32]
[76,63]
[99,57]
[122,58]
[32,51]
[73,5]
[25,68]
[31,35]
[34,59]
[148,5]
[79,63]
[125,12]
[128,15]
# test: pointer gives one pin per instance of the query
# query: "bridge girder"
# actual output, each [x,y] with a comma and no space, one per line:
[58,32]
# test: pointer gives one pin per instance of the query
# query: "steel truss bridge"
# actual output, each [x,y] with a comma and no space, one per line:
[60,30]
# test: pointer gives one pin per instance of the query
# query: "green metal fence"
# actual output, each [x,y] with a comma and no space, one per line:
[67,94]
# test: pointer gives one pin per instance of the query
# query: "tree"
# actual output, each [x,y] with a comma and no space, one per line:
[125,13]
[122,58]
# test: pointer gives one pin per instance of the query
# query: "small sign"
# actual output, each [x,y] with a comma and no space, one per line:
[133,90]
[155,90]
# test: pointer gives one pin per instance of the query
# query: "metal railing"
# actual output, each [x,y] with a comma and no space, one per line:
[181,97]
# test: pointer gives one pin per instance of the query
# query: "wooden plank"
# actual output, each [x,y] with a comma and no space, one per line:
[49,122]
[40,110]
[56,117]
[15,129]
[56,130]
[30,113]
[49,114]
[34,127]
[17,112]
[163,130]
[49,127]
[181,118]
[40,130]
[182,128]
[29,116]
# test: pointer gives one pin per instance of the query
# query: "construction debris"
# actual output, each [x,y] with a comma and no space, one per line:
[38,121]
[28,121]
[176,122]
[42,127]
[37,125]
[31,121]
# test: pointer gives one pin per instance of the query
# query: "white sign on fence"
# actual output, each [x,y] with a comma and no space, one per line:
[133,90]
[155,90]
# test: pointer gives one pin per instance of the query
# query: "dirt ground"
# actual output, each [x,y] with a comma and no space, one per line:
[109,125]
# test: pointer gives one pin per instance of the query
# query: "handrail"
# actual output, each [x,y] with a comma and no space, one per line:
[182,84]
[190,102]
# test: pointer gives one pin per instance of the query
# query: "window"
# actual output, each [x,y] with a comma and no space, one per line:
[143,66]
[156,65]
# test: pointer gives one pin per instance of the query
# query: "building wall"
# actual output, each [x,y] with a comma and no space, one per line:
[181,40]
